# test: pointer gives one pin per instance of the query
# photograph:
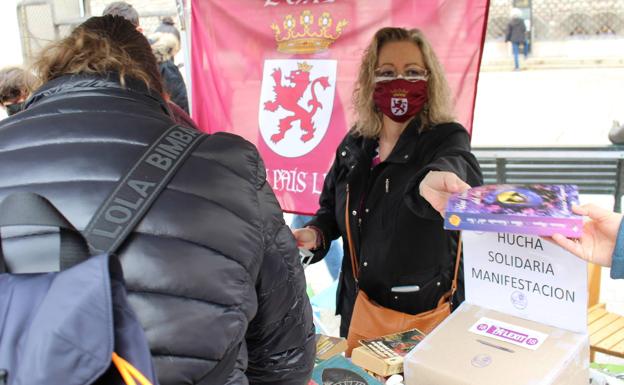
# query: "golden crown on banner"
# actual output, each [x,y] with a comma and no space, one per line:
[309,40]
[305,67]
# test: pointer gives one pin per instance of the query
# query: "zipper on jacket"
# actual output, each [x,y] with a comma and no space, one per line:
[387,185]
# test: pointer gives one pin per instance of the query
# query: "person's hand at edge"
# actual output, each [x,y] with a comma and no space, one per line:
[306,238]
[597,243]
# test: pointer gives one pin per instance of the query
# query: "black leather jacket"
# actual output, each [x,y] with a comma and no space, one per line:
[211,266]
[398,236]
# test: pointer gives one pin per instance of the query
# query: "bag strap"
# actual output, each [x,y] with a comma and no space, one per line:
[457,260]
[222,370]
[29,209]
[131,375]
[355,264]
[135,193]
[128,372]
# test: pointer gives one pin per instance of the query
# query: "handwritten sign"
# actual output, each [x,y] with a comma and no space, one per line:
[527,277]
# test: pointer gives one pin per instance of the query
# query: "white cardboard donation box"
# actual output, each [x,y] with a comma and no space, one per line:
[524,321]
[477,346]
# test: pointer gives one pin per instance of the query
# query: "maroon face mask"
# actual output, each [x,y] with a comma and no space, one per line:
[400,99]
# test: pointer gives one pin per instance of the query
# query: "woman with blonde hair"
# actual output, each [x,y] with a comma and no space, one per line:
[212,270]
[391,179]
[165,46]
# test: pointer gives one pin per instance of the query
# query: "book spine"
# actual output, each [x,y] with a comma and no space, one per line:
[545,226]
[366,359]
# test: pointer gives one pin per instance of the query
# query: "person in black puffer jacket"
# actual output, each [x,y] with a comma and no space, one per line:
[212,268]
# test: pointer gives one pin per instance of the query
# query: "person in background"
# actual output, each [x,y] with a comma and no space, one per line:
[125,10]
[395,170]
[516,34]
[212,271]
[15,85]
[166,44]
[602,241]
[167,25]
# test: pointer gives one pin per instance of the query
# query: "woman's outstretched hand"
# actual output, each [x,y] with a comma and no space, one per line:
[438,186]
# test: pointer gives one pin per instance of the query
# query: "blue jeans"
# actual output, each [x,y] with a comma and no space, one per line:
[516,51]
[333,259]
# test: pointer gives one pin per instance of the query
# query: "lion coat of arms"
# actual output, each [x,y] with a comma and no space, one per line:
[295,104]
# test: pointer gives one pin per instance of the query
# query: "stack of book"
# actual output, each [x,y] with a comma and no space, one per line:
[384,355]
[327,347]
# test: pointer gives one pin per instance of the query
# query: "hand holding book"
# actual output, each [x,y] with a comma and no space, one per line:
[597,243]
[438,186]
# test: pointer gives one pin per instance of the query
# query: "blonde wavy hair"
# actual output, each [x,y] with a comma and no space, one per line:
[439,108]
[101,45]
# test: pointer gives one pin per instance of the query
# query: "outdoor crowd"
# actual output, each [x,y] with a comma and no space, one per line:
[212,271]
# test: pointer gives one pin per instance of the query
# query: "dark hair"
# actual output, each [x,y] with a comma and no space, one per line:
[15,82]
[102,45]
[123,9]
[168,26]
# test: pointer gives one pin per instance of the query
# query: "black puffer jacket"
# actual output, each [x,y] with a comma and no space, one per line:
[211,266]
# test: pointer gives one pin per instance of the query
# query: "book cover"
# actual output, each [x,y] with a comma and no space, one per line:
[394,345]
[537,209]
[384,355]
[339,371]
[327,347]
[384,367]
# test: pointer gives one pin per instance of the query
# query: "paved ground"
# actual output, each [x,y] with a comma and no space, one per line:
[548,107]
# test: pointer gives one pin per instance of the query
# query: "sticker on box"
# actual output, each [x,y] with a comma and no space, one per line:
[502,331]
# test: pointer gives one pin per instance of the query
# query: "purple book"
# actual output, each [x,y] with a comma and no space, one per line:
[537,209]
